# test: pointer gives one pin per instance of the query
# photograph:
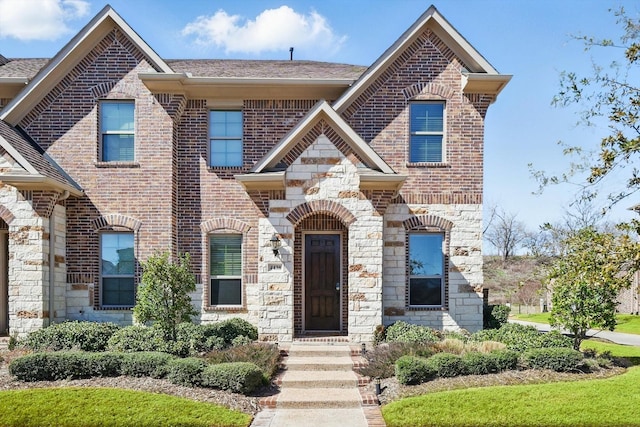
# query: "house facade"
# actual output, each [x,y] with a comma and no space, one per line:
[314,198]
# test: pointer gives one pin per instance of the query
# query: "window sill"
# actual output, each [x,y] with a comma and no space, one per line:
[114,308]
[227,308]
[428,165]
[124,165]
[426,308]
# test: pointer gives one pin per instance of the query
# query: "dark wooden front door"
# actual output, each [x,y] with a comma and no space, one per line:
[322,282]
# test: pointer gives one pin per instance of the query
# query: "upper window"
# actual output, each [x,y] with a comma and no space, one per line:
[117,131]
[225,268]
[427,132]
[426,269]
[117,270]
[225,138]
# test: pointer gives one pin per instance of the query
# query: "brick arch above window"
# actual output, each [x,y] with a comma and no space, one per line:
[224,223]
[422,88]
[116,220]
[427,222]
[313,207]
[6,215]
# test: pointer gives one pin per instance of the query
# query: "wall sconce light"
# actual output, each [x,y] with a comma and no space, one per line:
[275,244]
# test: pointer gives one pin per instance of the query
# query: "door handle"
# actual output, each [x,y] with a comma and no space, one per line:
[338,287]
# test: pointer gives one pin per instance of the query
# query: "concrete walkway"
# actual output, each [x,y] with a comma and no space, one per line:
[616,337]
[319,388]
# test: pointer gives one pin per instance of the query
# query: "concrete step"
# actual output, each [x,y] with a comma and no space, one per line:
[321,363]
[305,398]
[319,379]
[317,350]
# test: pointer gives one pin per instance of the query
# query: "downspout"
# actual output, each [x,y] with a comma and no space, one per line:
[52,256]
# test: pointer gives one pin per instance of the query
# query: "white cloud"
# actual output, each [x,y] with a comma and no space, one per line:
[272,30]
[39,19]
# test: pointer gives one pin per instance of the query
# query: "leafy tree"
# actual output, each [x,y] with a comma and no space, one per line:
[163,296]
[609,94]
[587,277]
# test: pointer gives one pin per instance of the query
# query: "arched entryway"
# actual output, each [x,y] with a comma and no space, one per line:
[321,288]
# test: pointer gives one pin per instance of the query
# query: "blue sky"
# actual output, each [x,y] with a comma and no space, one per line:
[529,39]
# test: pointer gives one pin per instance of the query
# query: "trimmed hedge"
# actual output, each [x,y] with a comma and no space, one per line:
[557,359]
[152,364]
[446,365]
[72,335]
[65,365]
[411,370]
[191,339]
[138,338]
[238,377]
[266,356]
[476,363]
[523,337]
[186,372]
[505,360]
[409,333]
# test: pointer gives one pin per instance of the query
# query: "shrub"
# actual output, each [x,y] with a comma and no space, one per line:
[138,338]
[146,364]
[238,377]
[406,332]
[105,364]
[64,365]
[446,365]
[557,359]
[187,371]
[382,358]
[505,360]
[476,363]
[523,337]
[74,335]
[265,356]
[232,328]
[413,370]
[495,316]
[379,334]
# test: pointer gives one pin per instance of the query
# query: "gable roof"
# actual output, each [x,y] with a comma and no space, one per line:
[69,56]
[36,169]
[480,77]
[375,172]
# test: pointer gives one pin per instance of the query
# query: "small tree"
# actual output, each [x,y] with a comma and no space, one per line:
[163,296]
[586,279]
[505,233]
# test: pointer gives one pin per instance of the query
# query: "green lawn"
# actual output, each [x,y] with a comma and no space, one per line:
[627,323]
[70,407]
[606,402]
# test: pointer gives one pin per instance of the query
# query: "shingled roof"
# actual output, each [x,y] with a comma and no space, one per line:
[22,67]
[37,161]
[233,68]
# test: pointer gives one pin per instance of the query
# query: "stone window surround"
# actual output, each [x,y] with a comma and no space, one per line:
[434,224]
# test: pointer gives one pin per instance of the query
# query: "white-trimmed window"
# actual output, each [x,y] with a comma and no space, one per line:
[117,269]
[117,131]
[225,138]
[225,269]
[427,132]
[426,270]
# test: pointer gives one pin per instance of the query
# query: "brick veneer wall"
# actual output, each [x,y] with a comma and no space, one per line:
[66,124]
[428,70]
